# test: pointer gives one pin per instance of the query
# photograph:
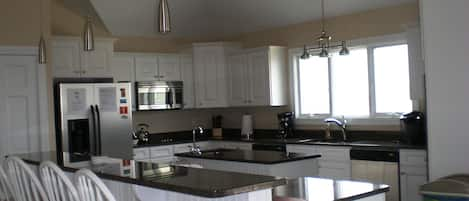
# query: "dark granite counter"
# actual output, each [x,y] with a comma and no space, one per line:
[194,181]
[248,156]
[319,189]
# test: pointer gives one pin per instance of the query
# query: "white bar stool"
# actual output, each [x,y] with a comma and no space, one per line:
[5,187]
[91,188]
[57,185]
[26,185]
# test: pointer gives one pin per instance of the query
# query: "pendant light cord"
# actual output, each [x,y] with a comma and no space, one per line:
[40,17]
[323,17]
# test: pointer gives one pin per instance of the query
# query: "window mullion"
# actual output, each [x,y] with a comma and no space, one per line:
[329,67]
[371,82]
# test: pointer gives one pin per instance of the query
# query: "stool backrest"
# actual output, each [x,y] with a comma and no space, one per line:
[25,184]
[57,185]
[91,188]
[5,186]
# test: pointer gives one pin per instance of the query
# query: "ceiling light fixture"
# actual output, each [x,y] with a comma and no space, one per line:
[42,56]
[324,42]
[164,20]
[88,35]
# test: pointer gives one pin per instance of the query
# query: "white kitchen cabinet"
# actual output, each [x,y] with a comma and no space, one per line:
[141,154]
[187,77]
[161,67]
[210,73]
[231,145]
[257,77]
[123,70]
[146,68]
[413,173]
[97,63]
[65,58]
[334,162]
[237,80]
[169,68]
[68,59]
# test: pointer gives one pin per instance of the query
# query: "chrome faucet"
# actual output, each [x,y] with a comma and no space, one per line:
[342,124]
[195,149]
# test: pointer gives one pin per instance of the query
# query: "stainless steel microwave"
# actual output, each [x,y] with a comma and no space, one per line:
[159,95]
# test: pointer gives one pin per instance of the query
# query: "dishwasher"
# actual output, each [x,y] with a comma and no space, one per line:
[377,165]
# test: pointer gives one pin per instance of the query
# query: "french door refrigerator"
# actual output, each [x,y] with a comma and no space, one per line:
[95,120]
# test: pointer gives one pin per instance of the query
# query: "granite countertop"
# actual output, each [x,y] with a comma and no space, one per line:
[194,181]
[250,156]
[295,141]
[320,189]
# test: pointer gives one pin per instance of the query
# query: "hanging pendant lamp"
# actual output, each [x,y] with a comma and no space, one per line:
[42,56]
[164,18]
[88,35]
[324,41]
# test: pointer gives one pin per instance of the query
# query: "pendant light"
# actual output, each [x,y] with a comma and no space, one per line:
[324,41]
[164,18]
[42,55]
[88,35]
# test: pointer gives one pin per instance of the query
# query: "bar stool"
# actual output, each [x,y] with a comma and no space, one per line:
[5,186]
[57,185]
[25,184]
[91,188]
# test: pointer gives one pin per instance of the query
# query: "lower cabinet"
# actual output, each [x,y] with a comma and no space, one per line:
[334,162]
[413,173]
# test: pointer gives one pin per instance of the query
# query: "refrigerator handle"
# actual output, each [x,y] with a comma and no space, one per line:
[98,123]
[93,120]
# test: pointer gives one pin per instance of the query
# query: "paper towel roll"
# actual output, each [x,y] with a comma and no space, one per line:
[246,129]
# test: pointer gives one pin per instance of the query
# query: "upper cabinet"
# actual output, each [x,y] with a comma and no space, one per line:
[258,77]
[210,73]
[68,58]
[165,67]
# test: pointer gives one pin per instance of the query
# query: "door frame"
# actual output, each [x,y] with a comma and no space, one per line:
[43,95]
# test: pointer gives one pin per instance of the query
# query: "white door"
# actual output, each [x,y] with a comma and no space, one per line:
[410,184]
[169,68]
[19,107]
[237,80]
[65,58]
[96,63]
[258,71]
[187,76]
[146,68]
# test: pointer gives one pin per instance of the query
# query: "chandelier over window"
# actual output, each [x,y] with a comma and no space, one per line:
[324,42]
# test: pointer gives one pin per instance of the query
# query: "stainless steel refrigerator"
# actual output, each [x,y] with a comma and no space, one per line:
[95,119]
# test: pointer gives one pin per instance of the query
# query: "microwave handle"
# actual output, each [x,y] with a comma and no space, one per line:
[169,97]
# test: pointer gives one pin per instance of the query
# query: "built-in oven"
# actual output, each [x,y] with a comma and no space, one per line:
[159,95]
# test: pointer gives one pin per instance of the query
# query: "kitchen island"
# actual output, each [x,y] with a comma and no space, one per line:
[272,163]
[176,183]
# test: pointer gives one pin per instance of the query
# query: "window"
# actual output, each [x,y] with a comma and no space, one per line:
[370,82]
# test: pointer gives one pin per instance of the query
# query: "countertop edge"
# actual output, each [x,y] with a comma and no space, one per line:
[364,195]
[250,161]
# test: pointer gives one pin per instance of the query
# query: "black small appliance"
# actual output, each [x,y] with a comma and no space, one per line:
[413,128]
[286,124]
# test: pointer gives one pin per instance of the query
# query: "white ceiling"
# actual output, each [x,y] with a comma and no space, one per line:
[195,18]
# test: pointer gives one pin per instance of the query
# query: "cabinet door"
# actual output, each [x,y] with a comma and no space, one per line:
[146,68]
[210,78]
[65,58]
[123,68]
[237,80]
[258,73]
[187,75]
[410,184]
[169,68]
[97,63]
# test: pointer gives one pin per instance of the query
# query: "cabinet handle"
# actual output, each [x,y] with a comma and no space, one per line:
[161,76]
[403,173]
[83,71]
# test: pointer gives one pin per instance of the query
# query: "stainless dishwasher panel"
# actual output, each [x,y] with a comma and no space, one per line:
[377,166]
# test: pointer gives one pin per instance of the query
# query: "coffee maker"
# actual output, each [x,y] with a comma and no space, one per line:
[286,124]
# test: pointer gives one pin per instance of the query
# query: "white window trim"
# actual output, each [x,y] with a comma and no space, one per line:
[375,121]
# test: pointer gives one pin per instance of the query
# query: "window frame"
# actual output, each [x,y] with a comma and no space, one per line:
[370,44]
